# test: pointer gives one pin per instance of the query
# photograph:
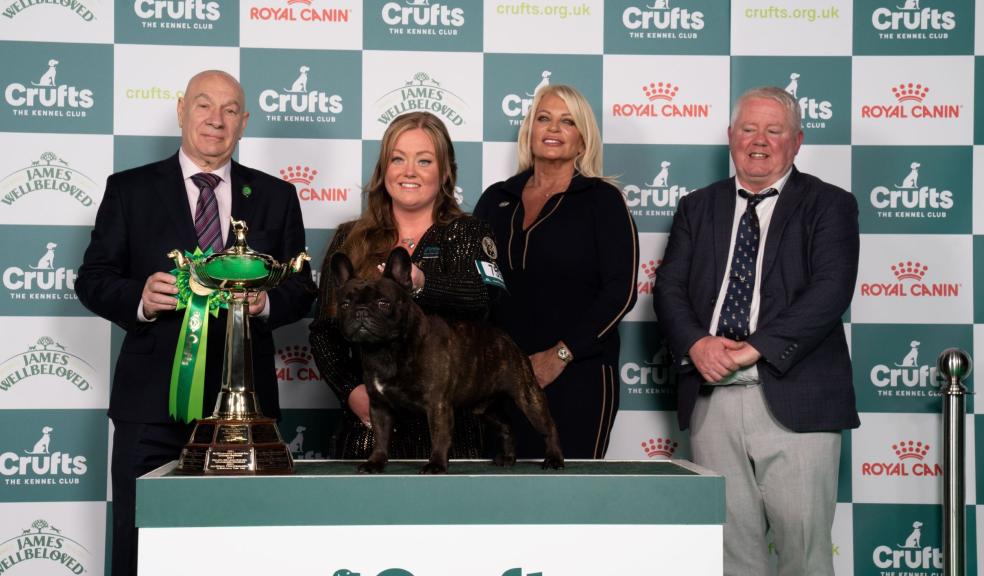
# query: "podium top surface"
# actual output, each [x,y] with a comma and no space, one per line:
[323,493]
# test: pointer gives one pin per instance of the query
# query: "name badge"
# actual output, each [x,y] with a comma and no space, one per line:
[431,252]
[490,274]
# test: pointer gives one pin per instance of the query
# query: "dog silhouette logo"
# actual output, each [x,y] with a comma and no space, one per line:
[660,5]
[663,176]
[793,85]
[48,78]
[41,446]
[909,5]
[300,84]
[544,81]
[911,180]
[296,445]
[912,541]
[47,261]
[911,359]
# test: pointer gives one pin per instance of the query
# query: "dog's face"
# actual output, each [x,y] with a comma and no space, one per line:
[372,311]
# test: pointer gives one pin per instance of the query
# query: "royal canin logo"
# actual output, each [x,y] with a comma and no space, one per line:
[909,98]
[909,276]
[303,177]
[304,13]
[659,447]
[910,455]
[295,363]
[648,276]
[661,91]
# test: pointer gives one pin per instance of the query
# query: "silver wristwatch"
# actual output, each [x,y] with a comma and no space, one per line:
[564,354]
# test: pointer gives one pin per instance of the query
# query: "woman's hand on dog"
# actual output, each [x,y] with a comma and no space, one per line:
[358,403]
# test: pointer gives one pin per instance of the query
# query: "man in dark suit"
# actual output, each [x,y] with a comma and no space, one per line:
[757,274]
[182,203]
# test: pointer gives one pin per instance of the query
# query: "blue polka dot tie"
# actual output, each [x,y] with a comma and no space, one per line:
[737,306]
[207,212]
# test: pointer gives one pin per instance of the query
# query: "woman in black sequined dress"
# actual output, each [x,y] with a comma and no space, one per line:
[411,205]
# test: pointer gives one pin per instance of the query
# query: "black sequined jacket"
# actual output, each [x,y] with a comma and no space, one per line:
[453,289]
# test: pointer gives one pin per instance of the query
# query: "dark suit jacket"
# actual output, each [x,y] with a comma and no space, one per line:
[810,264]
[145,214]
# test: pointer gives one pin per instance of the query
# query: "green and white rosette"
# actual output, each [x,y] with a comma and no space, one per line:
[188,371]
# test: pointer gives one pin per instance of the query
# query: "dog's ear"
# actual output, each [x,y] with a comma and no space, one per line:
[398,267]
[341,269]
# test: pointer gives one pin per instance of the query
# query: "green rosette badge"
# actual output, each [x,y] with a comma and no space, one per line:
[188,369]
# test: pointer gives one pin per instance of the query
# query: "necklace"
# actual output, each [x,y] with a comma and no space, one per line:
[410,243]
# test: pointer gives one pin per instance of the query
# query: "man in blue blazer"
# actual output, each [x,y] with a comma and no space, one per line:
[758,271]
[125,277]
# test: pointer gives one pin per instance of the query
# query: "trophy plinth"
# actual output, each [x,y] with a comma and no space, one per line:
[237,438]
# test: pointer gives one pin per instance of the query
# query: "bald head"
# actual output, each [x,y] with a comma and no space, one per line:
[212,116]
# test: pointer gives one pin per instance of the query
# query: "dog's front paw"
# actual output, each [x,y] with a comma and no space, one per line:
[371,467]
[434,468]
[504,460]
[552,462]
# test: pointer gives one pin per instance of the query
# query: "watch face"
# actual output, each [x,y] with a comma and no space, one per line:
[564,354]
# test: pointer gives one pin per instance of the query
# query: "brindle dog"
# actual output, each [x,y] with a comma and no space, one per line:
[415,362]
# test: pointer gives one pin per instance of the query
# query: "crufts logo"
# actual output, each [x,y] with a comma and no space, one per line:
[907,378]
[40,465]
[421,92]
[177,14]
[660,103]
[910,455]
[298,103]
[48,173]
[659,20]
[910,554]
[303,13]
[46,358]
[422,13]
[517,106]
[295,363]
[78,6]
[660,447]
[41,543]
[303,177]
[912,22]
[814,112]
[909,103]
[909,199]
[649,378]
[43,96]
[647,276]
[909,276]
[42,281]
[656,197]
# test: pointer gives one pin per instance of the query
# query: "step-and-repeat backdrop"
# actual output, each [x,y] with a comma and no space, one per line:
[887,90]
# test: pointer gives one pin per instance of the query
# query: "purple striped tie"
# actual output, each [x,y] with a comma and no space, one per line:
[207,212]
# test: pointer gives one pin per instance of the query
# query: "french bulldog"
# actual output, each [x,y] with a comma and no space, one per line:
[415,362]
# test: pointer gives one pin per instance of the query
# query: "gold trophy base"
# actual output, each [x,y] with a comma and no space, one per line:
[222,447]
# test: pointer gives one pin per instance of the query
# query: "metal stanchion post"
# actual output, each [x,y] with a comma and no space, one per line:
[954,365]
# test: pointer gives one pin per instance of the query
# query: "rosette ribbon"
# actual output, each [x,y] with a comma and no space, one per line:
[188,370]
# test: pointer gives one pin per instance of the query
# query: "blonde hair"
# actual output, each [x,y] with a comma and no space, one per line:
[373,235]
[588,162]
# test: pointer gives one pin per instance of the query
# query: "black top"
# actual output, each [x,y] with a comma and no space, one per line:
[453,289]
[571,275]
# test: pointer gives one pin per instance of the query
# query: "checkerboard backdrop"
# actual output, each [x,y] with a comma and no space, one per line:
[887,90]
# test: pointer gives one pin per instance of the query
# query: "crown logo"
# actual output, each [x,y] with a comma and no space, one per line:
[295,355]
[298,174]
[907,91]
[664,447]
[909,270]
[660,91]
[292,2]
[649,268]
[909,450]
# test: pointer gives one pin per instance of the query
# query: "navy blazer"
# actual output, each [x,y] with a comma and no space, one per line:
[809,269]
[144,214]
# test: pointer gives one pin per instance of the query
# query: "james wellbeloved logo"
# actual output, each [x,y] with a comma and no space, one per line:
[909,460]
[421,92]
[43,280]
[46,96]
[909,282]
[656,197]
[49,173]
[660,447]
[13,9]
[516,106]
[295,363]
[666,26]
[44,547]
[49,359]
[303,178]
[910,100]
[657,99]
[298,11]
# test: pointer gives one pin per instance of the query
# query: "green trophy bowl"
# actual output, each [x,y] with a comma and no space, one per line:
[237,438]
